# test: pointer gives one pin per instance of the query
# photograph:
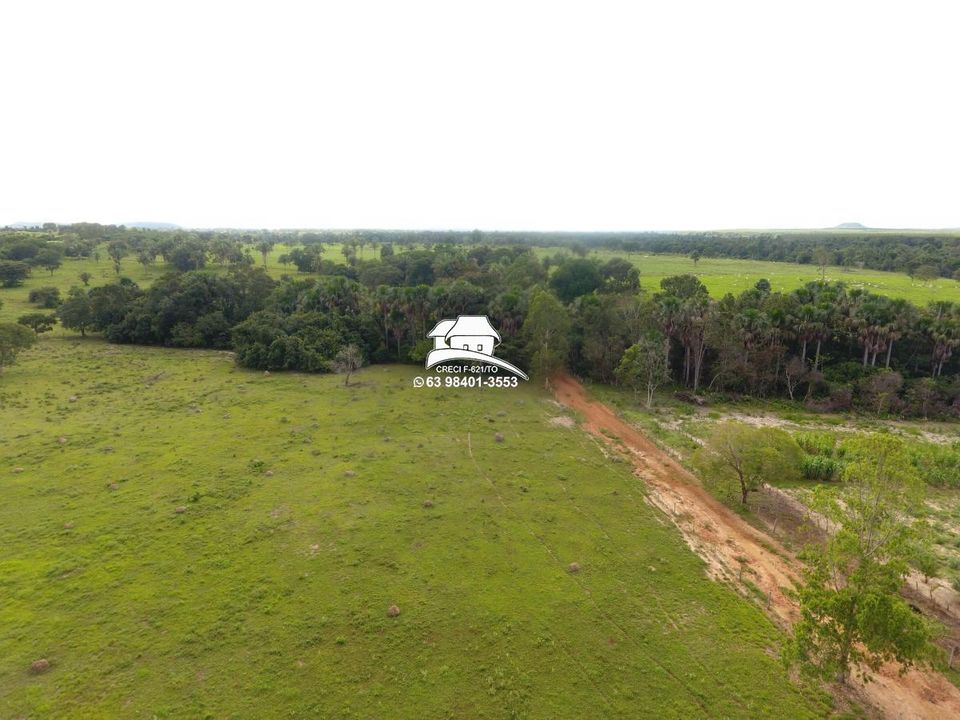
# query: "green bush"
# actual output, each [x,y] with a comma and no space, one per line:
[819,443]
[820,468]
[47,297]
[938,465]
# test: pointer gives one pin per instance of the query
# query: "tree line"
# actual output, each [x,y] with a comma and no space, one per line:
[921,254]
[824,344]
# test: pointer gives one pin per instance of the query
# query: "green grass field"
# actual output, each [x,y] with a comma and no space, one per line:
[305,519]
[722,276]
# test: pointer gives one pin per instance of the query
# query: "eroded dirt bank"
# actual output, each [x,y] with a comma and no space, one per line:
[736,552]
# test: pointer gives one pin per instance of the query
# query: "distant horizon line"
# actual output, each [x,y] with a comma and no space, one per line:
[170,226]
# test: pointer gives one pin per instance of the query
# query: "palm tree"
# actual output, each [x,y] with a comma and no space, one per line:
[942,326]
[903,318]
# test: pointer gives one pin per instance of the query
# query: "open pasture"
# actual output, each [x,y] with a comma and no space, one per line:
[182,538]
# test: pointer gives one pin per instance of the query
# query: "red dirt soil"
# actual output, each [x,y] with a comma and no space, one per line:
[735,551]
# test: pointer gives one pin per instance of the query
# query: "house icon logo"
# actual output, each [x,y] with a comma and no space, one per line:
[469,337]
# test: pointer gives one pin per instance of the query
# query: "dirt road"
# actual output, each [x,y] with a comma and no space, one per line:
[735,551]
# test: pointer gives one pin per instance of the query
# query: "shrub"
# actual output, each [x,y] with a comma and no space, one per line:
[818,443]
[820,467]
[46,297]
[848,372]
[938,465]
[840,398]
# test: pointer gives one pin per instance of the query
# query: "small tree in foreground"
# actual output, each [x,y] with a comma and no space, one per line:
[14,339]
[644,367]
[742,458]
[547,330]
[38,322]
[851,609]
[77,312]
[348,361]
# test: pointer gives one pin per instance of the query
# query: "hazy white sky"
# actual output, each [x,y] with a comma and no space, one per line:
[525,115]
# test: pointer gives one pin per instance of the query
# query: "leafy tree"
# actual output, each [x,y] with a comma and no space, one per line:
[264,247]
[38,322]
[348,360]
[188,255]
[109,304]
[744,457]
[48,259]
[620,276]
[14,339]
[76,313]
[851,609]
[927,563]
[25,251]
[927,273]
[85,278]
[547,330]
[643,367]
[349,251]
[147,256]
[823,257]
[13,273]
[117,250]
[576,277]
[695,256]
[599,334]
[46,297]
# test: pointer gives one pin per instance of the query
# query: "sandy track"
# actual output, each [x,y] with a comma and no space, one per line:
[735,551]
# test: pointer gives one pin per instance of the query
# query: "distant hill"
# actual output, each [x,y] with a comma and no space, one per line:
[850,226]
[152,225]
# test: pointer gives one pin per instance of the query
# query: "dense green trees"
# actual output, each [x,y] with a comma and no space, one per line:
[13,272]
[823,344]
[683,312]
[920,254]
[546,329]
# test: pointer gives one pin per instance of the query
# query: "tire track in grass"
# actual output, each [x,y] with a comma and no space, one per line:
[589,517]
[693,693]
[580,666]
